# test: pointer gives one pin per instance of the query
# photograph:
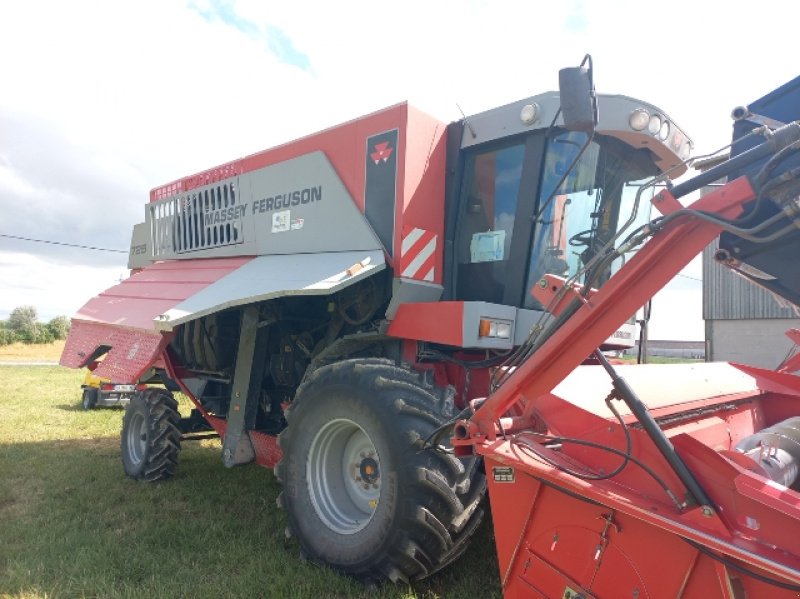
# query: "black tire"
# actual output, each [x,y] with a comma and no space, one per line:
[89,398]
[392,510]
[151,439]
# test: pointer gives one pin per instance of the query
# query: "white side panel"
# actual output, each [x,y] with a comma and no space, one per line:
[658,385]
[267,277]
[757,342]
[296,206]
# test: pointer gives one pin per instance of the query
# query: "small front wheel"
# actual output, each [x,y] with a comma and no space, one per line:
[151,439]
[89,399]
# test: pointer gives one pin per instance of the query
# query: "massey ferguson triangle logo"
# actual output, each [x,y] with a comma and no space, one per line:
[382,152]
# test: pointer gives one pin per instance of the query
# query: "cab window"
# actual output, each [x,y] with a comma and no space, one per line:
[489,205]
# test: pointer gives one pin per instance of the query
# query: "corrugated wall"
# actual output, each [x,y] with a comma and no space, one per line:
[744,322]
[727,295]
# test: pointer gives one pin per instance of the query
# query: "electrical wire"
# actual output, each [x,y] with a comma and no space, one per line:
[690,278]
[671,494]
[467,364]
[628,457]
[72,245]
[738,567]
[432,440]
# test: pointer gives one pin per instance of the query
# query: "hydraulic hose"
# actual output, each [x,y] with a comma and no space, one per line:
[777,141]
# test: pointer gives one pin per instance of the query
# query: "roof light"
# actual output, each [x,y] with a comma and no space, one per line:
[654,126]
[663,133]
[639,119]
[529,113]
[686,150]
[677,140]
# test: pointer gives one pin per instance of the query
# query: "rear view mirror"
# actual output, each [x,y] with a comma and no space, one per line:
[578,99]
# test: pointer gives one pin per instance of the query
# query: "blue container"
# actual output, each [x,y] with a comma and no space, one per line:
[773,265]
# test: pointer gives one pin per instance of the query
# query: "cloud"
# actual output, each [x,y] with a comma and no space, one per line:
[224,11]
[276,39]
[576,19]
[68,288]
[51,189]
[284,49]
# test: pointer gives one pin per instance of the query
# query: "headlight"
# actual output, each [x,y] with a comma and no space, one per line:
[639,119]
[654,126]
[663,133]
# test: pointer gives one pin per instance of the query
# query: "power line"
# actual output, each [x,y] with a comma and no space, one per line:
[691,278]
[72,245]
[89,247]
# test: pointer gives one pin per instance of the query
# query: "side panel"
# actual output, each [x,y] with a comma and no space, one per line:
[132,351]
[136,301]
[268,277]
[390,163]
[140,250]
[452,323]
[555,545]
[380,193]
[440,322]
[420,238]
[343,145]
[297,206]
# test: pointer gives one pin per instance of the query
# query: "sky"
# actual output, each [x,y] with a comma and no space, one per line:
[101,101]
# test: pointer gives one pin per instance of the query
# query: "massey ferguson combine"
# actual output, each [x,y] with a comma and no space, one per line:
[391,312]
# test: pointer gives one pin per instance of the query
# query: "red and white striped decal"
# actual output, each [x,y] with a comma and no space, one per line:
[418,255]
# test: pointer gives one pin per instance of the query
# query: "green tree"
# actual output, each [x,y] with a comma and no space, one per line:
[40,334]
[23,319]
[7,337]
[59,327]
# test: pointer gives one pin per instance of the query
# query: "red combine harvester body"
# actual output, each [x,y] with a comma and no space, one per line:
[588,502]
[338,307]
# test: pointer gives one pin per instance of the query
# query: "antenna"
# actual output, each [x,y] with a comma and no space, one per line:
[466,122]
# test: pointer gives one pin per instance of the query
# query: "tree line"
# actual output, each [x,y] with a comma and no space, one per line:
[23,326]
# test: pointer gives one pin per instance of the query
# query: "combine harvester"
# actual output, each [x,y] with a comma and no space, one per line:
[354,309]
[656,481]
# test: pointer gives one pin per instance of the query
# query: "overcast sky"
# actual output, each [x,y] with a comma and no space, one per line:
[103,100]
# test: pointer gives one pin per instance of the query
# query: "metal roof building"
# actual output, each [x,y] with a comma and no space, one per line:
[744,322]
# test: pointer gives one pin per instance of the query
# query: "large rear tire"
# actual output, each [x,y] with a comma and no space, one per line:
[361,494]
[151,439]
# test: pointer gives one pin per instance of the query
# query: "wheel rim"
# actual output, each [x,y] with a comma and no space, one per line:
[137,438]
[343,474]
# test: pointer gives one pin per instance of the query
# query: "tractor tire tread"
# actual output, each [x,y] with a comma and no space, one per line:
[439,509]
[160,459]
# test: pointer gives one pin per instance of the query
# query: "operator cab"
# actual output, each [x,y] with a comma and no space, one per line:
[510,236]
[537,199]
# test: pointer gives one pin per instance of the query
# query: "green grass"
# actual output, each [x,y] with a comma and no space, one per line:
[664,360]
[72,524]
[672,360]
